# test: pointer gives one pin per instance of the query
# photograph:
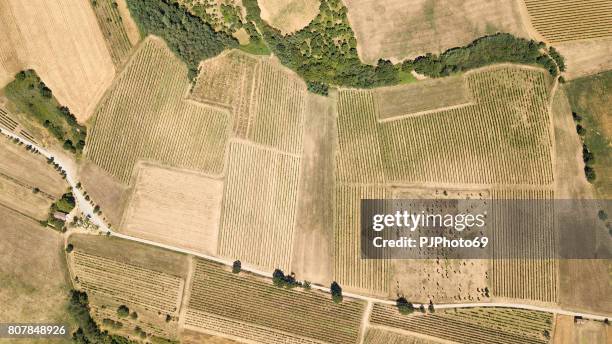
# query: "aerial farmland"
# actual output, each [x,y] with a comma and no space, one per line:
[197,171]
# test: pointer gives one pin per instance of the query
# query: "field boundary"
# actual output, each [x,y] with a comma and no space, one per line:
[422,113]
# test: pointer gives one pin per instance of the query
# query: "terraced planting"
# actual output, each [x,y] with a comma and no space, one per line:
[471,325]
[562,21]
[259,208]
[111,24]
[127,284]
[502,138]
[365,275]
[145,116]
[534,277]
[304,316]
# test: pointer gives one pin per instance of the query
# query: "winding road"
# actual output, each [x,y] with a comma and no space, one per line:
[88,210]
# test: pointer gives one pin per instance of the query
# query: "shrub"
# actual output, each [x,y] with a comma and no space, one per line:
[404,306]
[123,311]
[336,292]
[236,267]
[69,248]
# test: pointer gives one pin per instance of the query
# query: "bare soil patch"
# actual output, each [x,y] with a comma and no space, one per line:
[178,208]
[569,332]
[400,29]
[586,57]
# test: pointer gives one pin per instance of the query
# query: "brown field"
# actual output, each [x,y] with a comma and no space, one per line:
[145,116]
[470,325]
[400,29]
[380,336]
[421,97]
[288,16]
[569,332]
[105,190]
[193,337]
[259,208]
[561,21]
[305,316]
[33,273]
[62,41]
[116,272]
[177,208]
[312,252]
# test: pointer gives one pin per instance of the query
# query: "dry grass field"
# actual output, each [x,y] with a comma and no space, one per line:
[194,337]
[32,273]
[561,21]
[117,272]
[21,172]
[105,190]
[509,121]
[145,117]
[288,16]
[422,97]
[400,29]
[62,41]
[569,332]
[259,207]
[586,57]
[111,23]
[266,313]
[177,208]
[470,325]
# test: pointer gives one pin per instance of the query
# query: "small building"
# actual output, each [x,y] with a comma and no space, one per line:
[60,216]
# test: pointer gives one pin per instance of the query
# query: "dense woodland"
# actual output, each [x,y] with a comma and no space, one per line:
[325,52]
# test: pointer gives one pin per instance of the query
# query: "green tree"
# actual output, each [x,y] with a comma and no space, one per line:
[123,311]
[336,292]
[236,267]
[404,306]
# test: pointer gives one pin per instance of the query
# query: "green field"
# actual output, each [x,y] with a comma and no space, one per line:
[31,96]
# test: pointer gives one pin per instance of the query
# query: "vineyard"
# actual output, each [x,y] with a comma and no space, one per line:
[533,277]
[471,325]
[369,275]
[421,97]
[503,138]
[562,21]
[279,109]
[379,336]
[299,316]
[128,284]
[259,208]
[111,24]
[145,116]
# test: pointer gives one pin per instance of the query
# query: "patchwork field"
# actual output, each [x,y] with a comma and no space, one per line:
[177,208]
[112,25]
[288,16]
[117,272]
[306,316]
[259,208]
[560,21]
[34,281]
[470,325]
[267,101]
[421,97]
[145,117]
[63,42]
[509,121]
[567,331]
[400,29]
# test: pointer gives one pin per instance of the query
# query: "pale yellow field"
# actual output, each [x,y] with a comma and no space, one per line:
[288,16]
[586,57]
[569,332]
[380,336]
[399,29]
[177,208]
[62,41]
